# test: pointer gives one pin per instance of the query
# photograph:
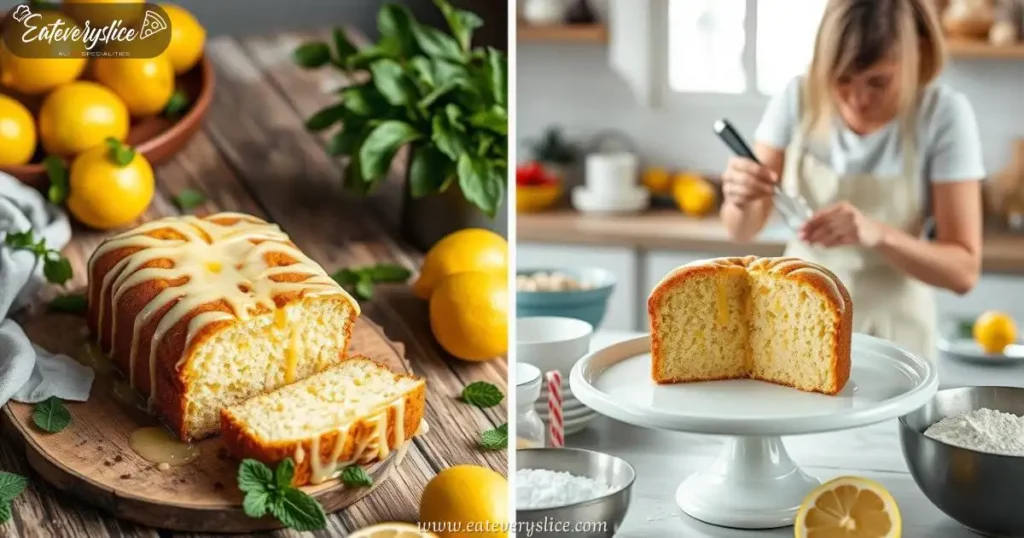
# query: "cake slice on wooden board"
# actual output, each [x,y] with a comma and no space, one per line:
[201,313]
[782,320]
[355,412]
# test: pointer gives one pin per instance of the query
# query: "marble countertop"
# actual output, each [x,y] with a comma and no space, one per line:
[663,459]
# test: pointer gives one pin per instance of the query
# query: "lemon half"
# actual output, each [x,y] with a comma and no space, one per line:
[849,506]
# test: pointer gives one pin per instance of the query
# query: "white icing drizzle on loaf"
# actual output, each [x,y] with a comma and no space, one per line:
[222,257]
[371,447]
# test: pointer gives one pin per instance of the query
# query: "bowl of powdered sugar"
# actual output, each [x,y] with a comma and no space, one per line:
[571,492]
[965,450]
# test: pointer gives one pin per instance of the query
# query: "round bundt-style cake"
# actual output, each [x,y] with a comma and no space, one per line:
[782,320]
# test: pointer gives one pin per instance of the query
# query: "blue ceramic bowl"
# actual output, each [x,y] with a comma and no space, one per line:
[588,305]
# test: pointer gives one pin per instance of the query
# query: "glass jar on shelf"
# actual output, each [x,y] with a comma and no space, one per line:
[529,426]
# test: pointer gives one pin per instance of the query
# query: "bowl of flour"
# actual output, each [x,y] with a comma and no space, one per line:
[965,450]
[571,492]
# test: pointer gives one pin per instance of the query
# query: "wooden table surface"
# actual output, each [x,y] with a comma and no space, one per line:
[254,155]
[663,459]
[668,229]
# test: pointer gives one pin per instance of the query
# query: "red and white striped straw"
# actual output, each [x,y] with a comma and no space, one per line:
[555,424]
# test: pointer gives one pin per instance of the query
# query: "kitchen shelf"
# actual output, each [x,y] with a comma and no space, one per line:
[961,48]
[563,33]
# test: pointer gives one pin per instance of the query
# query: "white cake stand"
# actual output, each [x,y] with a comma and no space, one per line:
[753,484]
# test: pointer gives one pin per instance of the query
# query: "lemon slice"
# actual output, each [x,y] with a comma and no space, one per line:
[392,530]
[849,507]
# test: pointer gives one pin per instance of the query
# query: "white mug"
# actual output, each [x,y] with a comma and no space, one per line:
[611,174]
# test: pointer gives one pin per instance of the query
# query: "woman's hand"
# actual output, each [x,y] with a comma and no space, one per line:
[745,181]
[839,225]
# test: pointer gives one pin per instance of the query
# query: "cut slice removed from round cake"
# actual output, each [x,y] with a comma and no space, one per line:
[358,411]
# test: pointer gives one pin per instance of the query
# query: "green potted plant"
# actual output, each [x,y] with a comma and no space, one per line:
[430,90]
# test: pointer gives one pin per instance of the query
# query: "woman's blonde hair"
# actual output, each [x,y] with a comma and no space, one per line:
[855,34]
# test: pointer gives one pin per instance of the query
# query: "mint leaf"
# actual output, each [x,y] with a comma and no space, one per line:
[430,171]
[326,117]
[299,511]
[188,199]
[356,476]
[345,277]
[389,273]
[380,146]
[364,288]
[57,269]
[11,485]
[177,105]
[480,184]
[19,239]
[284,473]
[254,476]
[255,504]
[343,47]
[72,303]
[5,512]
[58,174]
[50,415]
[496,439]
[120,154]
[965,329]
[312,55]
[482,394]
[462,23]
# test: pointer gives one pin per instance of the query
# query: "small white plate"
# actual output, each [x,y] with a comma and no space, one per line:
[968,350]
[588,201]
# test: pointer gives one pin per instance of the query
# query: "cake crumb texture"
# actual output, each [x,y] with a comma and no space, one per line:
[782,320]
[355,412]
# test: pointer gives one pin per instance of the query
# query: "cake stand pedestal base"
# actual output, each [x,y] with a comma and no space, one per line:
[753,484]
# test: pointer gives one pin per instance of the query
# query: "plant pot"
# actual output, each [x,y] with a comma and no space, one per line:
[425,221]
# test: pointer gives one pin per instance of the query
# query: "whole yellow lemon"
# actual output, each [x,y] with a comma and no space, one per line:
[993,331]
[110,186]
[471,249]
[144,84]
[34,68]
[187,38]
[17,133]
[694,195]
[657,180]
[469,315]
[467,497]
[79,116]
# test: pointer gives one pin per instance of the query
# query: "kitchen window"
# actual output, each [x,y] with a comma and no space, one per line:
[739,46]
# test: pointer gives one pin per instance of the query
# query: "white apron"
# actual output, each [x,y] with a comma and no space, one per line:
[887,303]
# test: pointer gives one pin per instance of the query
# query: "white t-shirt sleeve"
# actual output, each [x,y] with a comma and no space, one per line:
[781,117]
[955,150]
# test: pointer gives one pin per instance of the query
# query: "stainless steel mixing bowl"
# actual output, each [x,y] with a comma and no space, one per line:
[606,512]
[979,490]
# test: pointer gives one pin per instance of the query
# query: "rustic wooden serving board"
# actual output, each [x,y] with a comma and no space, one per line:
[92,460]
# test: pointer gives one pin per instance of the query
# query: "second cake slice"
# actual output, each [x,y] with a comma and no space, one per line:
[355,412]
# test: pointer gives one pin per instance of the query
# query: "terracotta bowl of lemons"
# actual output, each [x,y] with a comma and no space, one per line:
[536,198]
[158,137]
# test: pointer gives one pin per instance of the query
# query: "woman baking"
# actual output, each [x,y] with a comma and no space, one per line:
[876,147]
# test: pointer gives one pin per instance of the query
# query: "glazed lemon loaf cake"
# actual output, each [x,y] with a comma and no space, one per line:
[355,412]
[202,313]
[781,320]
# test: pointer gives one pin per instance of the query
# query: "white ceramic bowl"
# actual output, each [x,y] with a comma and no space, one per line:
[552,343]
